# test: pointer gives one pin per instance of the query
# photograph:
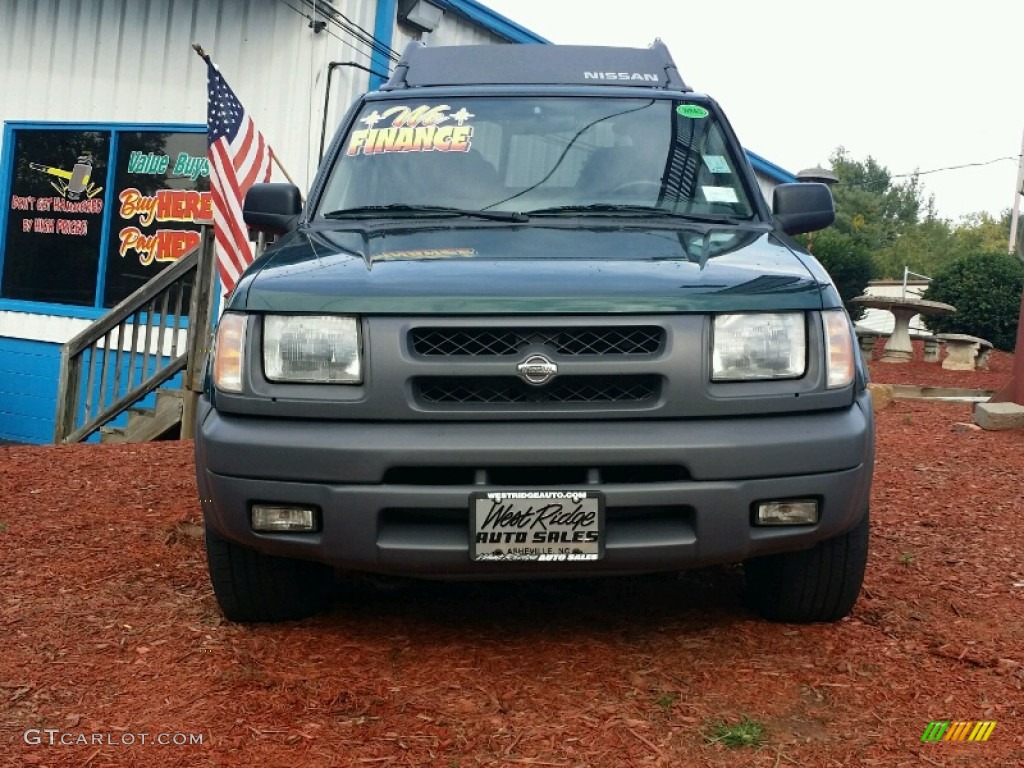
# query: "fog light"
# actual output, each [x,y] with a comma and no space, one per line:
[276,518]
[794,512]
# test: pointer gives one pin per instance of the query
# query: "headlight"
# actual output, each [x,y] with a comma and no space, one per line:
[311,348]
[229,353]
[758,346]
[839,347]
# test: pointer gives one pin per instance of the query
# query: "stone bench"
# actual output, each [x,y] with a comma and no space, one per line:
[932,346]
[867,338]
[964,352]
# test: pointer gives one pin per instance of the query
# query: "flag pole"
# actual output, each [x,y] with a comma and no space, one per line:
[201,52]
[277,162]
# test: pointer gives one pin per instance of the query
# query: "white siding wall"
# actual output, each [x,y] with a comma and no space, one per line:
[132,61]
[767,185]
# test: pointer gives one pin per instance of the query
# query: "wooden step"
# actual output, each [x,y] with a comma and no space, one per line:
[169,398]
[112,435]
[146,424]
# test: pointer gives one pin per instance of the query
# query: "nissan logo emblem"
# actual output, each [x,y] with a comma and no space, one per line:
[537,369]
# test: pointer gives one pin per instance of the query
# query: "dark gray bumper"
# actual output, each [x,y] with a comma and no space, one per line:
[376,519]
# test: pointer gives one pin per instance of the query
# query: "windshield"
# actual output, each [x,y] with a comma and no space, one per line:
[536,154]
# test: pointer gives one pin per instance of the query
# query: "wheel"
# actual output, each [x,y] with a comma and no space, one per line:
[252,586]
[817,584]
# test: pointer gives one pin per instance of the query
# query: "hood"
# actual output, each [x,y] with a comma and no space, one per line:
[498,268]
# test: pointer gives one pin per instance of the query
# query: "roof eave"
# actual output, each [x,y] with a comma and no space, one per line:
[492,21]
[770,169]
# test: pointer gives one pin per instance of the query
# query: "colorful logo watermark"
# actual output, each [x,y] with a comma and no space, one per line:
[958,730]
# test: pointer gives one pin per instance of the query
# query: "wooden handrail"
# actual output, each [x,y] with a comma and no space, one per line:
[153,300]
[134,302]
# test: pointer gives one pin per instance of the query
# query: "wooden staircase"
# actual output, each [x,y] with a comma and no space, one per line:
[141,364]
[162,422]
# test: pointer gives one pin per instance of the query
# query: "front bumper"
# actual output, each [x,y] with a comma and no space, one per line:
[679,494]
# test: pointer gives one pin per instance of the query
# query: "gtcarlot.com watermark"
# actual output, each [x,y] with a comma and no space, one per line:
[55,737]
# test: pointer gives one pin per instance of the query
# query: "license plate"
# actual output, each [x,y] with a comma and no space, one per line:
[536,526]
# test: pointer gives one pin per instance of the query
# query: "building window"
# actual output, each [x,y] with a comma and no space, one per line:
[55,216]
[161,183]
[95,212]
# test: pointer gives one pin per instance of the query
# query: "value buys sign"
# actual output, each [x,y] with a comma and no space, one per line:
[161,189]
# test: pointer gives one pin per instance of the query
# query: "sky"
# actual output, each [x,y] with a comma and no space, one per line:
[915,84]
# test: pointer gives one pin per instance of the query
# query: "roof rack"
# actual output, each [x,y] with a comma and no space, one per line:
[424,66]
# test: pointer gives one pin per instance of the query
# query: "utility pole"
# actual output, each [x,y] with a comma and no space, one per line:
[1014,390]
[1017,192]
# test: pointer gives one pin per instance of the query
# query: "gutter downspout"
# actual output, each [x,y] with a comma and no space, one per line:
[383,33]
[327,97]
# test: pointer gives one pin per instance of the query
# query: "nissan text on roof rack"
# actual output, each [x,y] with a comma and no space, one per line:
[535,319]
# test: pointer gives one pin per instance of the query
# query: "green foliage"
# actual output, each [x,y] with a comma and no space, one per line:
[980,233]
[872,215]
[986,290]
[870,208]
[666,701]
[884,226]
[745,733]
[923,249]
[933,244]
[847,261]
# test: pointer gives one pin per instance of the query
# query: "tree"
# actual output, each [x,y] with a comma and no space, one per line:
[923,248]
[980,233]
[847,261]
[883,227]
[986,290]
[871,212]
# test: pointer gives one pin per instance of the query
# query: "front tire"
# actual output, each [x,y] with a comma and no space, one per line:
[252,586]
[813,585]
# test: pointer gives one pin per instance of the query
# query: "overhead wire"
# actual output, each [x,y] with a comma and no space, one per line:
[914,174]
[955,167]
[356,32]
[343,22]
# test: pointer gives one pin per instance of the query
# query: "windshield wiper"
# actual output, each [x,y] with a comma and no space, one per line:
[633,210]
[397,209]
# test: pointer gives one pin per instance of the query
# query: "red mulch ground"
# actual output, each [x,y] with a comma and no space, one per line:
[109,627]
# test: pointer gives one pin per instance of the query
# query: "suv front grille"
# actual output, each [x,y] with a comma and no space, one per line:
[512,391]
[597,340]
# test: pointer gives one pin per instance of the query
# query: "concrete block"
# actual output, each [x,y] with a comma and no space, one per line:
[994,416]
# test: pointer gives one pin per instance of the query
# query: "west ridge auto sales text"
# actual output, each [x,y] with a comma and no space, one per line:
[532,524]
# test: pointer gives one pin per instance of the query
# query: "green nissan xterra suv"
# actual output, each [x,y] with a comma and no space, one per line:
[535,320]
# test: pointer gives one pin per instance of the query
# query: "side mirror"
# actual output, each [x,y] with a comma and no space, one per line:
[272,208]
[803,207]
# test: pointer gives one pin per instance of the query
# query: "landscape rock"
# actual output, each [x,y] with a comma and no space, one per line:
[881,396]
[994,416]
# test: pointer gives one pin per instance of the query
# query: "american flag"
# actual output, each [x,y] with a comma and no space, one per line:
[239,156]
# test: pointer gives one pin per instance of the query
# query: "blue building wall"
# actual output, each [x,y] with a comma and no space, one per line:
[29,375]
[29,371]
